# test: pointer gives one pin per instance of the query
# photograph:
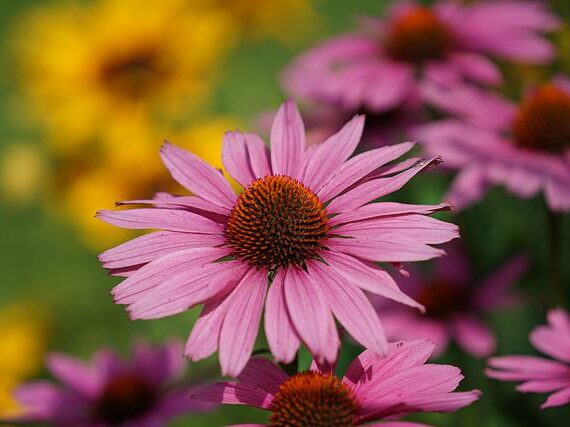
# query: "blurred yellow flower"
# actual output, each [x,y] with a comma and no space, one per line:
[285,20]
[129,168]
[24,328]
[89,68]
[23,170]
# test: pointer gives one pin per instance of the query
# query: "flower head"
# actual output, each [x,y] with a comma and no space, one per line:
[455,302]
[374,388]
[447,43]
[301,239]
[524,146]
[537,374]
[111,391]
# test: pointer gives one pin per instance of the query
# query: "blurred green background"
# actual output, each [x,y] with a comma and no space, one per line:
[45,260]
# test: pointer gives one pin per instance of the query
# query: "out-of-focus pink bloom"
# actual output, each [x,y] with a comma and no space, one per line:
[144,391]
[525,147]
[299,240]
[538,374]
[374,388]
[455,303]
[448,43]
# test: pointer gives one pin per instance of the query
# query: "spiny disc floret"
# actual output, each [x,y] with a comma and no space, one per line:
[277,221]
[314,399]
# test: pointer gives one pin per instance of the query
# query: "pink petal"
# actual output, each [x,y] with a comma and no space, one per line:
[351,308]
[197,176]
[359,166]
[235,157]
[468,187]
[241,323]
[233,393]
[310,314]
[526,368]
[160,270]
[552,342]
[331,154]
[74,374]
[259,158]
[149,247]
[167,219]
[473,336]
[559,398]
[288,141]
[543,386]
[378,210]
[203,341]
[263,374]
[385,250]
[477,67]
[193,204]
[281,335]
[368,278]
[186,289]
[371,190]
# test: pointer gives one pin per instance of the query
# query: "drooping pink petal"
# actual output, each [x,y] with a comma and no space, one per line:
[149,247]
[351,307]
[551,342]
[523,368]
[288,141]
[162,269]
[474,336]
[476,67]
[186,289]
[167,219]
[330,155]
[379,250]
[368,278]
[559,398]
[259,157]
[281,335]
[468,187]
[310,314]
[382,209]
[371,190]
[360,166]
[241,323]
[264,374]
[234,393]
[204,338]
[543,386]
[197,176]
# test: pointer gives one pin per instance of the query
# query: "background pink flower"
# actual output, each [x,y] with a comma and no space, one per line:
[304,224]
[448,42]
[456,303]
[374,388]
[144,391]
[537,374]
[525,147]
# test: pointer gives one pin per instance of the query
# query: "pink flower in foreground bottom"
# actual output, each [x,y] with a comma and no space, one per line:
[140,392]
[455,302]
[374,388]
[525,147]
[537,374]
[300,240]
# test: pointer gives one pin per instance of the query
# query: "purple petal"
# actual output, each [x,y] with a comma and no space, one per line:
[288,141]
[235,157]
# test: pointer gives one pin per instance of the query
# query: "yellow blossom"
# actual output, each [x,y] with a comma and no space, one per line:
[88,68]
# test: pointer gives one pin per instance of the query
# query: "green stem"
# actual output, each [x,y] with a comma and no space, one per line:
[555,257]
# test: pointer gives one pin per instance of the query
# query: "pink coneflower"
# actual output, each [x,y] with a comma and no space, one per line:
[537,374]
[525,147]
[304,224]
[374,388]
[447,43]
[144,391]
[456,303]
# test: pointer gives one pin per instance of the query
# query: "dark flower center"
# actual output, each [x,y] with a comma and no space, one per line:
[131,76]
[276,222]
[443,299]
[312,399]
[418,35]
[543,121]
[125,398]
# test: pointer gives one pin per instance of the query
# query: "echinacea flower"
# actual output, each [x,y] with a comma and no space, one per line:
[386,64]
[525,147]
[455,303]
[374,388]
[144,391]
[89,68]
[304,224]
[538,374]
